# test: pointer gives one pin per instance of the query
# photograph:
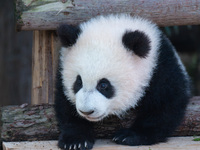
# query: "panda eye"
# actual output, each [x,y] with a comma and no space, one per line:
[79,81]
[105,88]
[77,84]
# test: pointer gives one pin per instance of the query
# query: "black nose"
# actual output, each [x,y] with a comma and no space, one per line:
[87,112]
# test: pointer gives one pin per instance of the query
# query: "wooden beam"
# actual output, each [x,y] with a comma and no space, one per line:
[48,14]
[174,143]
[44,62]
[38,123]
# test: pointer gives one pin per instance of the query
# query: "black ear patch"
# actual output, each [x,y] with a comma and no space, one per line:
[138,42]
[68,34]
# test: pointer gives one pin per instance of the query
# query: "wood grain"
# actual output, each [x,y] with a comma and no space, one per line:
[38,122]
[174,143]
[44,61]
[47,15]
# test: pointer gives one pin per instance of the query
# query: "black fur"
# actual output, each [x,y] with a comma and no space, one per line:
[68,34]
[105,88]
[162,108]
[159,112]
[137,42]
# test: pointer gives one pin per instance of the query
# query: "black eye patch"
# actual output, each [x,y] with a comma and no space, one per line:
[77,84]
[105,88]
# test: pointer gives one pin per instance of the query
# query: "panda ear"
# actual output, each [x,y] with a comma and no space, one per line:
[138,42]
[68,34]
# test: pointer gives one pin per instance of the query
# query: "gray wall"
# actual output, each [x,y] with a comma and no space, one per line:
[15,59]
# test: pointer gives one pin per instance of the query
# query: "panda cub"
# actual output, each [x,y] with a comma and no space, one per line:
[110,64]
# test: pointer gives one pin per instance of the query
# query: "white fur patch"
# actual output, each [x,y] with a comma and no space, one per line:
[99,53]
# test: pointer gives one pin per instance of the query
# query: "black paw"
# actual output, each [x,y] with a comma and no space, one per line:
[75,142]
[129,137]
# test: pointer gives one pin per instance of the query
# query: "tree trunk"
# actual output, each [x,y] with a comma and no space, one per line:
[38,123]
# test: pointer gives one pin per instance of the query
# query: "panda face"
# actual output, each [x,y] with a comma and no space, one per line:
[93,104]
[107,64]
[98,80]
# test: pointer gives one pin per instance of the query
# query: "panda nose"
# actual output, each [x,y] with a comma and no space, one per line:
[87,112]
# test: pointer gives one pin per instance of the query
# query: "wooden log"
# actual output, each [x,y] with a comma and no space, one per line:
[44,62]
[174,143]
[48,14]
[37,122]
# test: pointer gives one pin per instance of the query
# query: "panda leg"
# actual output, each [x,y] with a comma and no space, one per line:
[76,132]
[130,137]
[75,140]
[148,129]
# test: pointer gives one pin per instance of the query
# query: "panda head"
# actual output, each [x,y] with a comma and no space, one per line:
[107,62]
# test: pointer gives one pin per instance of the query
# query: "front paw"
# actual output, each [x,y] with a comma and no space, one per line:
[129,137]
[76,142]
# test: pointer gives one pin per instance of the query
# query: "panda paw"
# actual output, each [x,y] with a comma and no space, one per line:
[129,137]
[75,143]
[77,146]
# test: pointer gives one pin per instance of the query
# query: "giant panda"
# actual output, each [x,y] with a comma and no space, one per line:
[109,65]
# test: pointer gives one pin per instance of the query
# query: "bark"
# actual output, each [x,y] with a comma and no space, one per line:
[48,14]
[38,122]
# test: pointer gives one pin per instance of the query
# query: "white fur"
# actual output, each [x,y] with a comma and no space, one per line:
[92,100]
[99,53]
